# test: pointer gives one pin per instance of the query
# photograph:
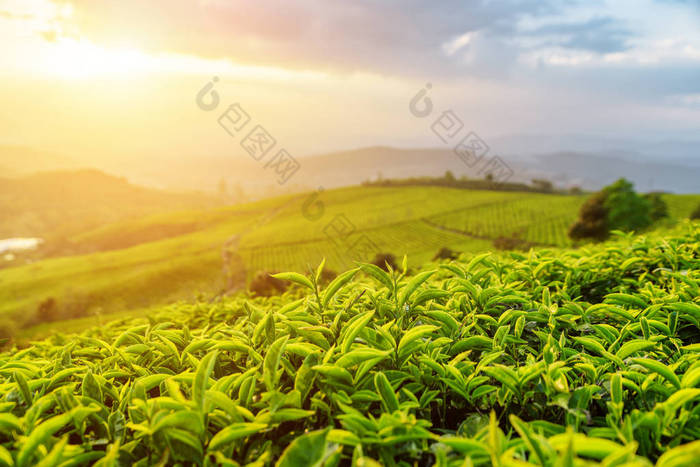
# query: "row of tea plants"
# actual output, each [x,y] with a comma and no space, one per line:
[552,357]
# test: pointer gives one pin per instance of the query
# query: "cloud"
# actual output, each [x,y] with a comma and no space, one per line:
[647,51]
[453,46]
[598,35]
[365,35]
[689,100]
[682,2]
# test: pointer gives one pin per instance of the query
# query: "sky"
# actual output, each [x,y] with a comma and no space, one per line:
[106,79]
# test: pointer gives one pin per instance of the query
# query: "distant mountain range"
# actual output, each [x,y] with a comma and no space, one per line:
[593,162]
[590,171]
[673,151]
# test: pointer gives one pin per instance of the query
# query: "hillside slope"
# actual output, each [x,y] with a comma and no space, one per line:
[554,358]
[51,204]
[166,257]
[163,258]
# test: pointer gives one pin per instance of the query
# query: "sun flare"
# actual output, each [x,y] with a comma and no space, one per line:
[71,58]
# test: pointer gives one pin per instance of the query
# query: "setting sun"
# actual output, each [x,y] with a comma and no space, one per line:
[81,59]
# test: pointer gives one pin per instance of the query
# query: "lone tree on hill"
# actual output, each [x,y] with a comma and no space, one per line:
[543,185]
[696,213]
[592,222]
[616,207]
[659,209]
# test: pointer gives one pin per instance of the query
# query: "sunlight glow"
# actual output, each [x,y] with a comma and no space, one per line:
[48,43]
[79,59]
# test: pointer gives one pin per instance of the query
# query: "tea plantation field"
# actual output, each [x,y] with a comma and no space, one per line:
[551,357]
[159,259]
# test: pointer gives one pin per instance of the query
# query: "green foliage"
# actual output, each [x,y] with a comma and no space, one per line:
[413,221]
[627,211]
[696,213]
[446,254]
[617,207]
[535,218]
[265,284]
[658,206]
[542,185]
[384,261]
[550,358]
[593,219]
[511,243]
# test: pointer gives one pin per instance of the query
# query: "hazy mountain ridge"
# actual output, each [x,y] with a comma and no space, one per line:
[22,160]
[590,171]
[593,162]
[62,202]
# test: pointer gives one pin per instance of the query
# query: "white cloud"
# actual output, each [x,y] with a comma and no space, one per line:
[688,100]
[642,52]
[557,56]
[458,43]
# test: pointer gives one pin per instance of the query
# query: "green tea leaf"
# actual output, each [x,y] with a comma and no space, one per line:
[659,368]
[336,285]
[296,278]
[415,334]
[40,435]
[633,347]
[354,330]
[412,285]
[389,400]
[377,273]
[201,379]
[234,432]
[272,361]
[308,449]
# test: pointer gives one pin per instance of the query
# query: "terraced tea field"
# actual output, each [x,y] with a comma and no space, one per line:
[540,219]
[183,254]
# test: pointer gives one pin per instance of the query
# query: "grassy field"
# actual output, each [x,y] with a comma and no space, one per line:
[570,357]
[181,256]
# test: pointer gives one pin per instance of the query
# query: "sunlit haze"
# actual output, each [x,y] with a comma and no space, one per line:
[335,75]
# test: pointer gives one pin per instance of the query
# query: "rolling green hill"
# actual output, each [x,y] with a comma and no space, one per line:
[167,257]
[54,205]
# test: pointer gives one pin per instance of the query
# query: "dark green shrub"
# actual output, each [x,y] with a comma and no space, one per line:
[48,310]
[327,275]
[381,260]
[264,285]
[8,329]
[696,213]
[627,210]
[445,253]
[615,207]
[592,222]
[540,184]
[511,243]
[657,205]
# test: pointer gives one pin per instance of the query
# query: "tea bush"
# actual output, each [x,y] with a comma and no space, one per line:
[553,357]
